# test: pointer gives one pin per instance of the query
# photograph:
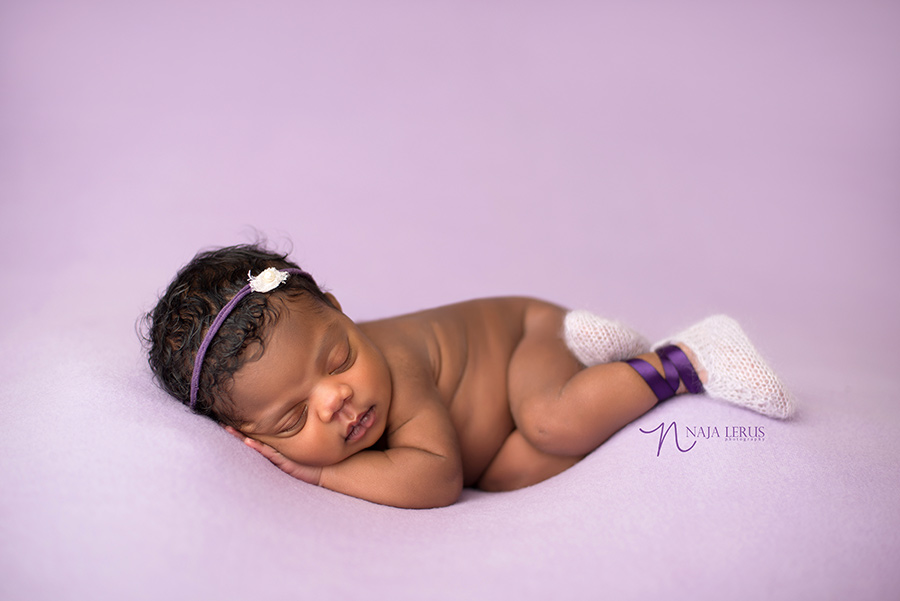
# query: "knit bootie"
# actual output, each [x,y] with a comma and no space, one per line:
[735,370]
[595,340]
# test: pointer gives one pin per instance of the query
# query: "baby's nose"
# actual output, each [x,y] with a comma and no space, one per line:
[332,400]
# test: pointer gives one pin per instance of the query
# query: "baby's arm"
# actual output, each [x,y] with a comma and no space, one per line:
[421,468]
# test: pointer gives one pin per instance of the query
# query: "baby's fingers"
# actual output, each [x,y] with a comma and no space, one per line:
[233,432]
[267,452]
[263,449]
[289,467]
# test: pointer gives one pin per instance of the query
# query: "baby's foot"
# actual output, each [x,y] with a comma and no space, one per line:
[595,340]
[735,371]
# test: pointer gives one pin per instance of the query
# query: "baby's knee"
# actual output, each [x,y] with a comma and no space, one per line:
[550,430]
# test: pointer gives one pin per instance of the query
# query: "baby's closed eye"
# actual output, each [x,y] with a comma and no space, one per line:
[296,424]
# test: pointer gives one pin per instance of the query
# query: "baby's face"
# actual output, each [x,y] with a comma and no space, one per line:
[319,392]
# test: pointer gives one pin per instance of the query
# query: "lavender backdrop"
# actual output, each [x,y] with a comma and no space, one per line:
[654,161]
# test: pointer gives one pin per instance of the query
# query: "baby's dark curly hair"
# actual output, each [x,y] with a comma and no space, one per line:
[175,328]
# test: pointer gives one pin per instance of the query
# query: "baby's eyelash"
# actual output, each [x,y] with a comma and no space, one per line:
[298,423]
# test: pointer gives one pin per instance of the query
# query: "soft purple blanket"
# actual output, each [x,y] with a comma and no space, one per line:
[653,162]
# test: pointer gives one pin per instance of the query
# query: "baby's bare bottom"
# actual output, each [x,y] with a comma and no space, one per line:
[562,411]
[518,464]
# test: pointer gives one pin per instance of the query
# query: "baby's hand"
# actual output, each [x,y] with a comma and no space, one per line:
[288,466]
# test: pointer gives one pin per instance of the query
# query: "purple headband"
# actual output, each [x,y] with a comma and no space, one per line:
[269,279]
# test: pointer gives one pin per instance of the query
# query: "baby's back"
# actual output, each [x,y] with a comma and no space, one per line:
[463,351]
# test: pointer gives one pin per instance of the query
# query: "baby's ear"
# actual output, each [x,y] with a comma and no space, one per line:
[334,302]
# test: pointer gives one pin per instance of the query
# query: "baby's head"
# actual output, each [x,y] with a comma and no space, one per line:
[181,318]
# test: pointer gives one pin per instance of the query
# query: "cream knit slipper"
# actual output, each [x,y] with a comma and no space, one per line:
[595,340]
[736,371]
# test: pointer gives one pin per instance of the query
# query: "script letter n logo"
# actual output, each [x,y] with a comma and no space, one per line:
[663,432]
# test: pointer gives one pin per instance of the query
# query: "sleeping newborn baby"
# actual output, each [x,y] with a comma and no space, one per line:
[496,393]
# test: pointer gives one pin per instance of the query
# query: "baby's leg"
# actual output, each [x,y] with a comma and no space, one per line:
[563,409]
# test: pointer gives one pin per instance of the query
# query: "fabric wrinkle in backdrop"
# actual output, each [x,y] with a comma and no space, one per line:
[655,162]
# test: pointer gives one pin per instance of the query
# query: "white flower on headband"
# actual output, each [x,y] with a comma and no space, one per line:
[269,279]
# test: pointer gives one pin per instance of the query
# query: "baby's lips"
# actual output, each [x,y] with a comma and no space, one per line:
[358,427]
